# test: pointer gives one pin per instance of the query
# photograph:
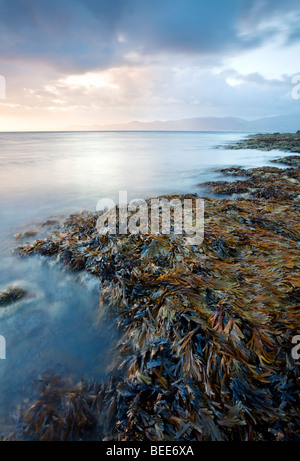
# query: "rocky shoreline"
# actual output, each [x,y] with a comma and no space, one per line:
[289,142]
[269,183]
[207,330]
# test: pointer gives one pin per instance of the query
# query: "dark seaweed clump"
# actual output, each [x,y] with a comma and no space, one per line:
[62,412]
[11,295]
[207,330]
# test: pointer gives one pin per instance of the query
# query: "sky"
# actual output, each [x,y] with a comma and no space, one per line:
[96,62]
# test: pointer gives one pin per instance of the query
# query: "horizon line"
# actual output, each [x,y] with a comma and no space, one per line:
[132,131]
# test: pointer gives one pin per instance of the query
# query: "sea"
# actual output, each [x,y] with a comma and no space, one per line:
[45,176]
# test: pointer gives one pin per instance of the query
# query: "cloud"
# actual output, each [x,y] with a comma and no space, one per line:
[81,35]
[157,91]
[101,61]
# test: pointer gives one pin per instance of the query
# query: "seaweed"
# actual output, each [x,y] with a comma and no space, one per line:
[205,352]
[291,160]
[62,412]
[11,295]
[269,183]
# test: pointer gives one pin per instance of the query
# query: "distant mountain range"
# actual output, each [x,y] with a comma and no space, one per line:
[282,124]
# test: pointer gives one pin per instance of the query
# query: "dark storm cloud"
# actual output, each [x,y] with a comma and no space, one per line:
[65,33]
[79,35]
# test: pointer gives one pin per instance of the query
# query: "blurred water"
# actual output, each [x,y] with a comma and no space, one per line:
[52,174]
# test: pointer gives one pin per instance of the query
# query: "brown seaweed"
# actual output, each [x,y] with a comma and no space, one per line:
[62,412]
[269,183]
[207,330]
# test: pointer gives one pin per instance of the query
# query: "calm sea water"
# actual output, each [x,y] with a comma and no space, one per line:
[48,175]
